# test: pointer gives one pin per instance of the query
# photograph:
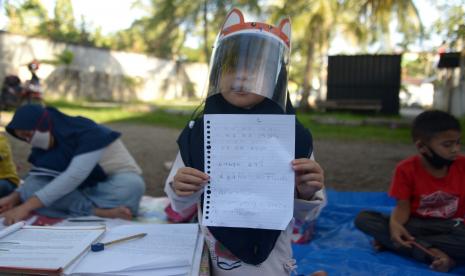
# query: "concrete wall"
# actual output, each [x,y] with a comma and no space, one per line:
[449,94]
[99,74]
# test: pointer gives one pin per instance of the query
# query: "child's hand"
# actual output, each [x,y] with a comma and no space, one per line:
[188,181]
[14,215]
[10,201]
[400,235]
[309,177]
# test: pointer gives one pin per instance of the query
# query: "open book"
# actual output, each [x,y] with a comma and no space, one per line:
[167,249]
[44,249]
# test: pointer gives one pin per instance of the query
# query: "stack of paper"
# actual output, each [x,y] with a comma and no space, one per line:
[167,249]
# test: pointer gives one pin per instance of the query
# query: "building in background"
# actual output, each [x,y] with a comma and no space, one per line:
[450,84]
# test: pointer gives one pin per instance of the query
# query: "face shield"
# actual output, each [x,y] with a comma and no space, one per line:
[250,61]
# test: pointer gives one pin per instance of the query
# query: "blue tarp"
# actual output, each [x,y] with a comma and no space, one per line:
[340,249]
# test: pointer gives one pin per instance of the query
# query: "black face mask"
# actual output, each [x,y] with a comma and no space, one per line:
[436,160]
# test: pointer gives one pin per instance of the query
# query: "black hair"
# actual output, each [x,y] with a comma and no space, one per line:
[431,122]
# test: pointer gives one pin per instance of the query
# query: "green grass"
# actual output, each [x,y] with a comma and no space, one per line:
[126,114]
[167,114]
[355,133]
[161,117]
[340,115]
[177,105]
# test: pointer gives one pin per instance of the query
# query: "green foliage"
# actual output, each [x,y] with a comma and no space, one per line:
[193,54]
[167,24]
[163,31]
[451,27]
[30,17]
[419,67]
[132,82]
[65,58]
[26,17]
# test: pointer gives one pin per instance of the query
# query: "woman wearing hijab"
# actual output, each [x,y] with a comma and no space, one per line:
[248,75]
[79,168]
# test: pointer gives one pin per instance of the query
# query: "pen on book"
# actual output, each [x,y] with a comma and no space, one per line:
[101,246]
[12,228]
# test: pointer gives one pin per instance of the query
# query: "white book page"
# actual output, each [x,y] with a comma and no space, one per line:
[248,159]
[164,246]
[46,247]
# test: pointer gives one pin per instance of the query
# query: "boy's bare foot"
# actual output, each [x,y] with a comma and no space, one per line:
[9,202]
[377,246]
[442,261]
[121,212]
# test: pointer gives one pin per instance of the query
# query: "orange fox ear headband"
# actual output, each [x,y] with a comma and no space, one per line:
[235,23]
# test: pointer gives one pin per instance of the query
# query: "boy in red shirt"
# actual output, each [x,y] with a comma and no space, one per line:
[427,222]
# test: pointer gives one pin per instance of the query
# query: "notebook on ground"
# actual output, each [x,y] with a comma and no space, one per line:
[167,249]
[45,249]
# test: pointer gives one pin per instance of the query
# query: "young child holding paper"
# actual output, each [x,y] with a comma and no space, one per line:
[428,220]
[248,76]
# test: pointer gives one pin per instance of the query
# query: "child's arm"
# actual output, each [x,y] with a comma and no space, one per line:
[184,185]
[69,180]
[399,217]
[9,202]
[22,211]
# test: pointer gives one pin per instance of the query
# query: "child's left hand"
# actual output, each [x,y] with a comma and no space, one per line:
[309,177]
[14,215]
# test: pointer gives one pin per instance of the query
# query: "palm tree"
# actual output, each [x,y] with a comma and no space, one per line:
[28,17]
[313,24]
[169,22]
[317,21]
[377,15]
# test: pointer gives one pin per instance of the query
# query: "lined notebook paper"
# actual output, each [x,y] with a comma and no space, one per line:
[248,159]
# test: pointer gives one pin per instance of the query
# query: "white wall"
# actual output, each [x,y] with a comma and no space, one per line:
[100,74]
[450,96]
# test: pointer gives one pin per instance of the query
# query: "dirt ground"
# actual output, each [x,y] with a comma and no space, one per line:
[349,166]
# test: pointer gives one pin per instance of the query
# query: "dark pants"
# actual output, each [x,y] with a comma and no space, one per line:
[6,187]
[446,235]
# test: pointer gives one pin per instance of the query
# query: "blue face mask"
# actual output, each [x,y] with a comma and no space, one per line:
[436,160]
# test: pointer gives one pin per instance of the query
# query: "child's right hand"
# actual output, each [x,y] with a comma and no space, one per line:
[188,181]
[400,235]
[10,201]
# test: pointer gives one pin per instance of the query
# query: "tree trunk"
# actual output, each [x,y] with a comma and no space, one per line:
[308,75]
[206,49]
[323,74]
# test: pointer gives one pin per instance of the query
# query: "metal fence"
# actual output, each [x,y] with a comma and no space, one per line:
[364,82]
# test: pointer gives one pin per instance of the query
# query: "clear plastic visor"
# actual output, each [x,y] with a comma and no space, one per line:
[250,63]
